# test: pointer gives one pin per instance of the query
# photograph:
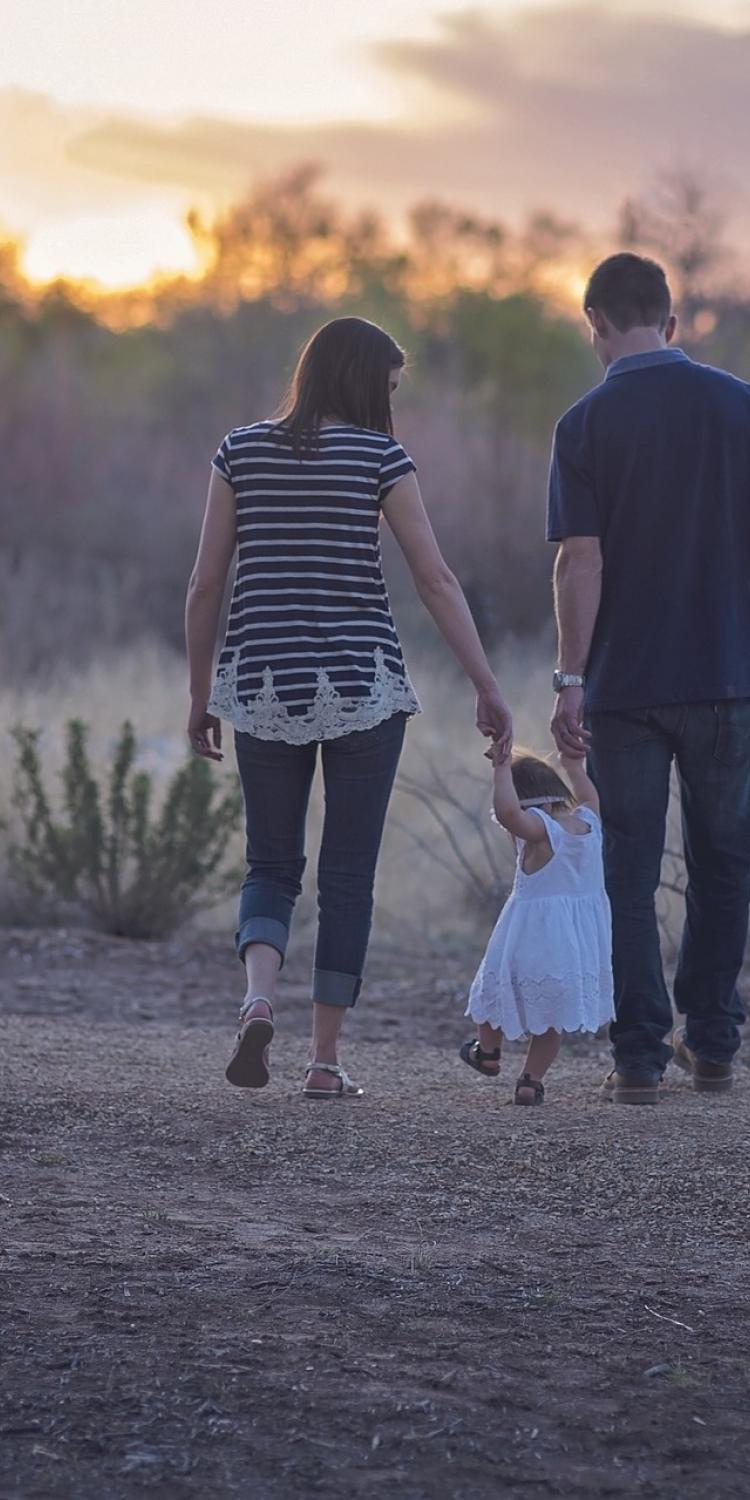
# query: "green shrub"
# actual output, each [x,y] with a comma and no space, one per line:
[108,856]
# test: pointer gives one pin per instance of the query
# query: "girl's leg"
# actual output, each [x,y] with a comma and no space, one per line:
[540,1056]
[490,1038]
[359,770]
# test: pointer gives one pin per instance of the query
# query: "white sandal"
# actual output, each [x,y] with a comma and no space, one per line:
[346,1089]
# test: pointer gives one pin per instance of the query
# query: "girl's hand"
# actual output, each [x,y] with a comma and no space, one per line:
[204,731]
[497,755]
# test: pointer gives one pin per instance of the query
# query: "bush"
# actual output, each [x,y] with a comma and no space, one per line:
[109,858]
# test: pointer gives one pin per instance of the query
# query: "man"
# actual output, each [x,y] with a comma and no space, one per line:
[650,504]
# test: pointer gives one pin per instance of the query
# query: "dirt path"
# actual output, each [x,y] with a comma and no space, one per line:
[426,1294]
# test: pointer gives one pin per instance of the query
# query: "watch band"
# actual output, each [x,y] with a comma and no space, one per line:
[562,680]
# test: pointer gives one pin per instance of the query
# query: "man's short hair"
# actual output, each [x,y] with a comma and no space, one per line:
[631,291]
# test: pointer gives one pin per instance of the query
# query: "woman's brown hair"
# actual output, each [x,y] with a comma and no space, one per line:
[344,371]
[536,780]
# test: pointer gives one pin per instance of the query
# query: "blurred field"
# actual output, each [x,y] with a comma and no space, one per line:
[416,897]
[429,899]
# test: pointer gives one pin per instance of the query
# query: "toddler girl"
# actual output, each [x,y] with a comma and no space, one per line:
[548,965]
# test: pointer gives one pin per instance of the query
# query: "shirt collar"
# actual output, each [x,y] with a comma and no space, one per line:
[630,362]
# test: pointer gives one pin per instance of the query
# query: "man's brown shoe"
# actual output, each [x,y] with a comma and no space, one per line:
[620,1087]
[708,1077]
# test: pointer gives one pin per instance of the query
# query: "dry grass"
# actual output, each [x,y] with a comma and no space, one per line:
[423,896]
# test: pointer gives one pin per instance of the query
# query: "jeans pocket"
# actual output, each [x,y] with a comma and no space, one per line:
[732,742]
[388,731]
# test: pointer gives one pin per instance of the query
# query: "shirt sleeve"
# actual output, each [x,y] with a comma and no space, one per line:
[571,506]
[221,460]
[394,465]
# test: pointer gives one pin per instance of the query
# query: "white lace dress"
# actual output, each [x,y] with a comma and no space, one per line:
[549,960]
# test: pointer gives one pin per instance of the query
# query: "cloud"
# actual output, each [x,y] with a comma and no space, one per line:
[567,107]
[582,102]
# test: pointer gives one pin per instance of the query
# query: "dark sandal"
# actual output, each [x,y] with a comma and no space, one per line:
[471,1053]
[533,1086]
[248,1066]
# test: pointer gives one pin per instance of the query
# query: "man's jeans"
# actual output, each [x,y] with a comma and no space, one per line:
[630,759]
[358,774]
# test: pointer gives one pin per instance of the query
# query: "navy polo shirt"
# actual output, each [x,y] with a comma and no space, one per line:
[656,463]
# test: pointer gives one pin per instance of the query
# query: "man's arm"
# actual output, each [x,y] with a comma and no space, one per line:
[578,592]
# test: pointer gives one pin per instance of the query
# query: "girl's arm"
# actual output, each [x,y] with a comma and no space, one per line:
[442,595]
[508,810]
[584,790]
[202,609]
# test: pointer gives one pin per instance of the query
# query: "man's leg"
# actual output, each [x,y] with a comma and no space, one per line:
[630,760]
[714,765]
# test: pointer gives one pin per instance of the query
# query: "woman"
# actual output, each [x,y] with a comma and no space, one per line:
[312,657]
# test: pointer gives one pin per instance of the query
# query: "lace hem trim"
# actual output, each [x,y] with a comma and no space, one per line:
[531,1006]
[329,715]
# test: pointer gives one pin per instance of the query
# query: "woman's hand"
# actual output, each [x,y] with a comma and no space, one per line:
[204,731]
[494,719]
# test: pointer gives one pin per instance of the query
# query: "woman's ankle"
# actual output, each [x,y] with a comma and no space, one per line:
[324,1054]
[256,1006]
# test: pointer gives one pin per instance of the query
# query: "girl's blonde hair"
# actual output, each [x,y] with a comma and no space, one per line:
[536,780]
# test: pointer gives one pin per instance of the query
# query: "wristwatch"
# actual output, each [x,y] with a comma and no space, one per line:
[562,680]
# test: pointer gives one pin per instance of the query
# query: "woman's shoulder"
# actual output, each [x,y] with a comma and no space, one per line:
[253,430]
[381,443]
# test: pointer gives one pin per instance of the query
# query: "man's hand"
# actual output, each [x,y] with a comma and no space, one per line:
[494,719]
[204,731]
[567,724]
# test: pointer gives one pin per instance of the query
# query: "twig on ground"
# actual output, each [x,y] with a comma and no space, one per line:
[665,1319]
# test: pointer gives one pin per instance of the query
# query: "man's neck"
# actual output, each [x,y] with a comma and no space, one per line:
[636,341]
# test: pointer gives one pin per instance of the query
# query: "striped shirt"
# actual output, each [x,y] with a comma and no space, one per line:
[311,650]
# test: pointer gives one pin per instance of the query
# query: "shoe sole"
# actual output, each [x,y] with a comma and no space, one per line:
[702,1085]
[247,1068]
[645,1095]
[711,1085]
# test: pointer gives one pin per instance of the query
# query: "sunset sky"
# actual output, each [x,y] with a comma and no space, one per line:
[116,117]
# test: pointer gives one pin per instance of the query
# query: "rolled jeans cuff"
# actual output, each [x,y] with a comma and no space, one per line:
[262,930]
[331,988]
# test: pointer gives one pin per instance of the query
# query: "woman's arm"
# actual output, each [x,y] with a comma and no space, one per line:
[203,607]
[584,790]
[508,810]
[443,597]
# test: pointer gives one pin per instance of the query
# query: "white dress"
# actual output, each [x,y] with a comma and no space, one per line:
[549,960]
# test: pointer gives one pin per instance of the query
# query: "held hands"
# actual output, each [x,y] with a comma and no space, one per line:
[571,738]
[497,756]
[204,731]
[495,721]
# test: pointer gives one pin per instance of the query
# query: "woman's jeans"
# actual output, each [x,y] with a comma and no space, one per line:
[358,774]
[630,760]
